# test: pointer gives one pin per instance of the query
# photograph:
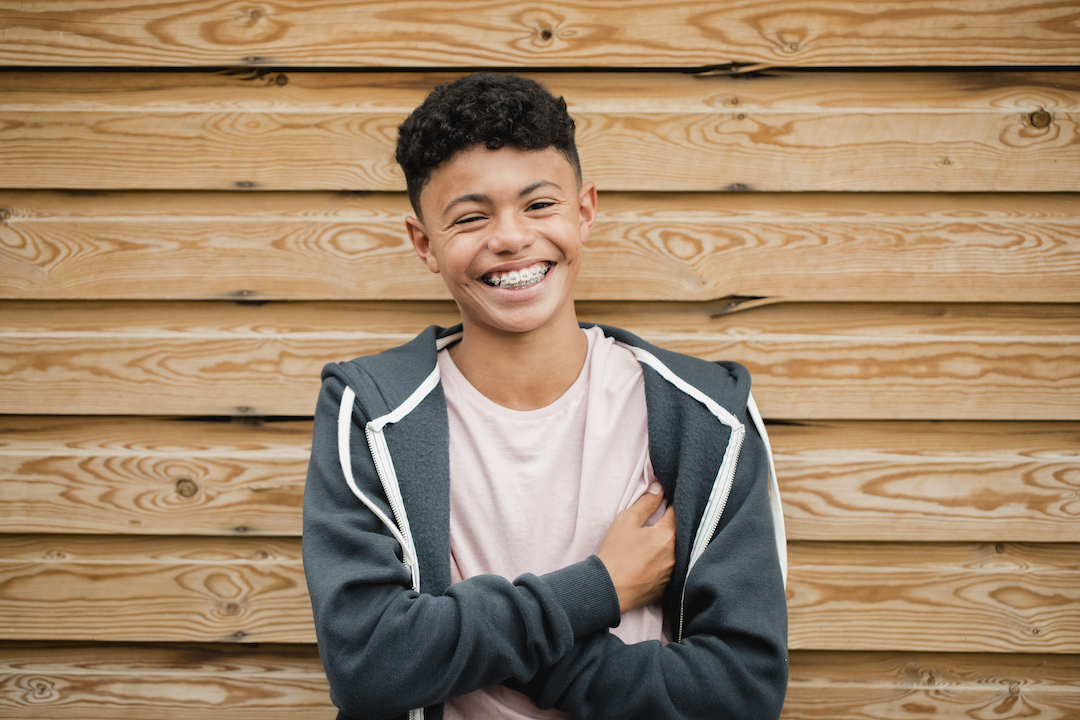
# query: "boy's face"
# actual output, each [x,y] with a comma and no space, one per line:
[505,228]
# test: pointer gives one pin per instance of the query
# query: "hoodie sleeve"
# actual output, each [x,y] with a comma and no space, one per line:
[732,660]
[387,648]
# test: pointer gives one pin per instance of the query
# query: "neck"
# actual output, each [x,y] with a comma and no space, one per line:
[523,371]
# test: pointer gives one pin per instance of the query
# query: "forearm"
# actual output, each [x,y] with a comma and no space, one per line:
[701,677]
[387,649]
[732,659]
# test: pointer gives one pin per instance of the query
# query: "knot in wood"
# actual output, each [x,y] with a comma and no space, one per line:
[41,688]
[255,13]
[999,548]
[1014,689]
[1040,119]
[5,214]
[186,487]
[546,34]
[281,79]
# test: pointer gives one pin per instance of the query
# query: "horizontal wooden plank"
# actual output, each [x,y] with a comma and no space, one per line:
[944,597]
[977,597]
[69,681]
[150,588]
[905,686]
[629,33]
[839,481]
[930,481]
[691,247]
[943,132]
[809,361]
[161,476]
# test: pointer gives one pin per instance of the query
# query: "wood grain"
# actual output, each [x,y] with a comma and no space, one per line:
[841,596]
[133,682]
[633,33]
[902,686]
[279,682]
[809,361]
[943,597]
[144,588]
[869,481]
[931,481]
[688,247]
[649,132]
[162,476]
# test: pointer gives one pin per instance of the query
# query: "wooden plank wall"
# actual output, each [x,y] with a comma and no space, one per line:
[873,205]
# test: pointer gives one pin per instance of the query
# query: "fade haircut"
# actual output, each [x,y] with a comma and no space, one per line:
[481,109]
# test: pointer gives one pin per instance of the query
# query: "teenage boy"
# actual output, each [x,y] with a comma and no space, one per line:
[484,527]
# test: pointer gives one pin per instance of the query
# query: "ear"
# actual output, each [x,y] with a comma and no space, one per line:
[421,243]
[587,208]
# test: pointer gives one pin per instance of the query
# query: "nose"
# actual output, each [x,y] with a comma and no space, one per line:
[510,234]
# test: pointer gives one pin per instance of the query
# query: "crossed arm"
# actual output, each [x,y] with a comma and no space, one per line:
[387,648]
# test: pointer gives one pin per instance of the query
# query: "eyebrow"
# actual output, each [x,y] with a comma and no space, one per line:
[481,198]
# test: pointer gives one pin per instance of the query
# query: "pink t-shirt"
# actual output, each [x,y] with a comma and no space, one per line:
[534,491]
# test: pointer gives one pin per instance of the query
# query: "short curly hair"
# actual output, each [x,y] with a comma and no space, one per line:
[482,109]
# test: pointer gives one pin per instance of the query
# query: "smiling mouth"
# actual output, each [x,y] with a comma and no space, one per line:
[517,279]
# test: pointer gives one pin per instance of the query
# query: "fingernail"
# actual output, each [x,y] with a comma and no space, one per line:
[655,489]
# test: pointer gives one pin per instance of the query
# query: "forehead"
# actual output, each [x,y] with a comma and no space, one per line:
[478,170]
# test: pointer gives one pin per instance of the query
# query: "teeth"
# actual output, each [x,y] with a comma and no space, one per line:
[519,278]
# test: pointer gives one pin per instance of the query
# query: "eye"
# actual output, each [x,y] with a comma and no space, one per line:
[540,205]
[468,219]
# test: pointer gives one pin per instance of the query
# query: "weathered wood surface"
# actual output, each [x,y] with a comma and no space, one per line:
[902,686]
[921,596]
[869,481]
[133,682]
[566,33]
[931,481]
[987,132]
[841,596]
[162,476]
[333,246]
[70,587]
[809,361]
[69,681]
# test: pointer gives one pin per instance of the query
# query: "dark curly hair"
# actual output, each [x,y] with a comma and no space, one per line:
[482,108]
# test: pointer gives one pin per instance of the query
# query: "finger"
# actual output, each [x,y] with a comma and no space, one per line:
[646,505]
[666,523]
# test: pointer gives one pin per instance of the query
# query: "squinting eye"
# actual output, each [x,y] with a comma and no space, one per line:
[541,205]
[469,219]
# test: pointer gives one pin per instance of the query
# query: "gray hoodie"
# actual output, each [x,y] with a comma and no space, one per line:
[397,639]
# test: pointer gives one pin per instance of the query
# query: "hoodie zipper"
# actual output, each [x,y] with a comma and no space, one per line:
[714,509]
[725,475]
[384,468]
[380,454]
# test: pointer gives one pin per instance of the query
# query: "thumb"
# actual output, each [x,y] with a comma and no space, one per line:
[646,505]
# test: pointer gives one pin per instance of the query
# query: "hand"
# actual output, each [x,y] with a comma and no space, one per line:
[640,558]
